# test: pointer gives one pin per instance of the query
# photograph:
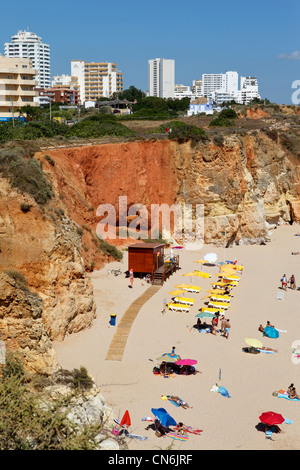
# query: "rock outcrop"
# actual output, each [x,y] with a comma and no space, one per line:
[22,327]
[44,245]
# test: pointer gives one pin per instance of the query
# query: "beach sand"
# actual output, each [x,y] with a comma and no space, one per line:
[227,423]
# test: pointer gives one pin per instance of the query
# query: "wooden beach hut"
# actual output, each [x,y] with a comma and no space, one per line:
[149,259]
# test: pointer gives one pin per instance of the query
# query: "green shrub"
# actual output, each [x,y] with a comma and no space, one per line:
[180,131]
[81,380]
[26,175]
[26,425]
[110,250]
[93,127]
[228,113]
[220,122]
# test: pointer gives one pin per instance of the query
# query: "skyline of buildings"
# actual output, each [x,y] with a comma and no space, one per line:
[90,81]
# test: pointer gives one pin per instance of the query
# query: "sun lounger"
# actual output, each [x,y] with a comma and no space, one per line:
[194,289]
[212,310]
[223,305]
[184,300]
[179,307]
[231,278]
[221,298]
[279,295]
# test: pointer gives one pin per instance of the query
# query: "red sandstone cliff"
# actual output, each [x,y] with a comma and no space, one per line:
[245,183]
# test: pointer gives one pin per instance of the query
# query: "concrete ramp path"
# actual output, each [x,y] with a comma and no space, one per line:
[118,343]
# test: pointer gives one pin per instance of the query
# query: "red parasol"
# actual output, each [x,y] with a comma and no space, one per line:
[270,418]
[186,362]
[126,419]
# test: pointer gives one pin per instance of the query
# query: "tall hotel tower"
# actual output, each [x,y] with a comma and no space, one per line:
[162,78]
[28,45]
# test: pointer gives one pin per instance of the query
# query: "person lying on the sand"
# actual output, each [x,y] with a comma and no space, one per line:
[181,428]
[179,401]
[263,348]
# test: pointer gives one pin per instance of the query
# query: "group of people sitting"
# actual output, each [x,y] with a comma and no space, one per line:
[167,368]
[292,392]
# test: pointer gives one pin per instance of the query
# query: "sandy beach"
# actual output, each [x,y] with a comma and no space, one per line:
[227,423]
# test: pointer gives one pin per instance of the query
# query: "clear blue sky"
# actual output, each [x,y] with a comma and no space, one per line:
[252,37]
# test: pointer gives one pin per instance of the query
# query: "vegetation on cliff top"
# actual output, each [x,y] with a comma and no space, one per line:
[29,422]
[25,174]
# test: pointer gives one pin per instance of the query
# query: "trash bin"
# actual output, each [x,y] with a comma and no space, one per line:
[113,319]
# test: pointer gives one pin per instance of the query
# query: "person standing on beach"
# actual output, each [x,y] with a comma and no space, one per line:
[283,282]
[227,327]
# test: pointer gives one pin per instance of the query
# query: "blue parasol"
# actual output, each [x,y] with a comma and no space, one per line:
[163,417]
[169,357]
[271,332]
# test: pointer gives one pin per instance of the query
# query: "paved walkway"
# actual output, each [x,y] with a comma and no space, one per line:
[118,343]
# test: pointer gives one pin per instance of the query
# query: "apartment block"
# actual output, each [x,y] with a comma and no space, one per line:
[26,44]
[96,79]
[17,86]
[161,78]
[58,95]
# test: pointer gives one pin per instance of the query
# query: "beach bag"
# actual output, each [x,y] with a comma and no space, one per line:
[116,431]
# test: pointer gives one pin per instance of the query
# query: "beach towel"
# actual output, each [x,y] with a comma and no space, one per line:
[224,392]
[133,436]
[267,352]
[285,395]
[179,437]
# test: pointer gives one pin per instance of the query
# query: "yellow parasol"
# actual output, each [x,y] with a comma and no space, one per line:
[190,274]
[219,283]
[177,292]
[254,343]
[227,269]
[200,261]
[202,274]
[216,291]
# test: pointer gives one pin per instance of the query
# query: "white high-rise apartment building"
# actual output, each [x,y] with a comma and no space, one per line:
[248,90]
[96,79]
[228,82]
[28,45]
[161,78]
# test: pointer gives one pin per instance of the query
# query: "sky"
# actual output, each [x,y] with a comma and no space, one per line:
[254,38]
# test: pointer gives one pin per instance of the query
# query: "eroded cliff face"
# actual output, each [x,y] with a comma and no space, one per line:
[44,245]
[245,182]
[23,329]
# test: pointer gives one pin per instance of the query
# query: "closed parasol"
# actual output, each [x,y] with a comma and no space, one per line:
[126,422]
[270,418]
